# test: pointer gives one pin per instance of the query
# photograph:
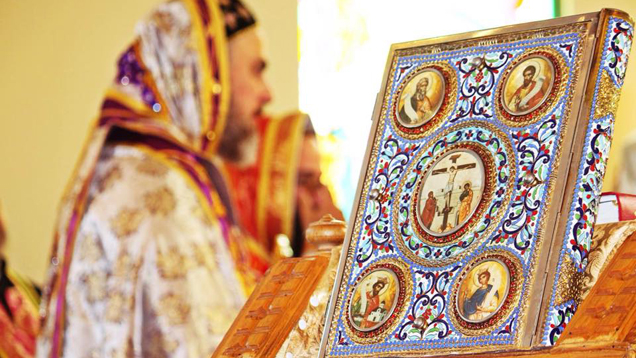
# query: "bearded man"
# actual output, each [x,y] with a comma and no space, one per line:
[417,106]
[530,93]
[148,259]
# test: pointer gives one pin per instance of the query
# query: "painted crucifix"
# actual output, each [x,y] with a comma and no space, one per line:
[448,190]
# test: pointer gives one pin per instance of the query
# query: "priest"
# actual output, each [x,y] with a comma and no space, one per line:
[148,259]
[277,196]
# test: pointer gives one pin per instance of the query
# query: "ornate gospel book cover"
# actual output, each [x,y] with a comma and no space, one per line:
[479,190]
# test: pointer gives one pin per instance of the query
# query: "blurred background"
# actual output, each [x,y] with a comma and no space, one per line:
[327,58]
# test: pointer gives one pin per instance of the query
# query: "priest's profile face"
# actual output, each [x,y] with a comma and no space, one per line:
[249,94]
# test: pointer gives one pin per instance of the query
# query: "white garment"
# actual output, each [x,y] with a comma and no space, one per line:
[150,271]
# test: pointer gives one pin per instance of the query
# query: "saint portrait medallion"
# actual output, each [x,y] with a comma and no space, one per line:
[424,98]
[377,300]
[485,291]
[374,299]
[530,86]
[451,191]
[421,98]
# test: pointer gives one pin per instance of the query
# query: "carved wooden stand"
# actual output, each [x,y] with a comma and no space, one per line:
[279,300]
[604,325]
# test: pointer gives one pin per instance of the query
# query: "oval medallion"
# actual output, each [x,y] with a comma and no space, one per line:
[424,99]
[530,87]
[451,191]
[486,291]
[377,300]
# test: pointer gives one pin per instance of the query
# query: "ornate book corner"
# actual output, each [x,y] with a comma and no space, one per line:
[478,195]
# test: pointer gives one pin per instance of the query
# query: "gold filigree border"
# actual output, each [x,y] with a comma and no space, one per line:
[557,90]
[447,106]
[405,288]
[608,97]
[512,160]
[510,301]
[477,44]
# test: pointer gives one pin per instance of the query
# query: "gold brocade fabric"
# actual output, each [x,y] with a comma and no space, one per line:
[151,275]
[304,339]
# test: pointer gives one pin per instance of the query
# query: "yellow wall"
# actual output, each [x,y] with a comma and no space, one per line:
[57,59]
[626,116]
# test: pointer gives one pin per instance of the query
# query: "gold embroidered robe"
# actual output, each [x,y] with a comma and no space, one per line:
[146,260]
[150,274]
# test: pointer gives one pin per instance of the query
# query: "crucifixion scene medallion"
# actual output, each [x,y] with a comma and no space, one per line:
[447,204]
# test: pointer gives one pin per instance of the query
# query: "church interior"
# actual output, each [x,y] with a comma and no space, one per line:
[326,69]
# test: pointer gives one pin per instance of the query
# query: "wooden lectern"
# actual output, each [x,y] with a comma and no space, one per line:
[285,313]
